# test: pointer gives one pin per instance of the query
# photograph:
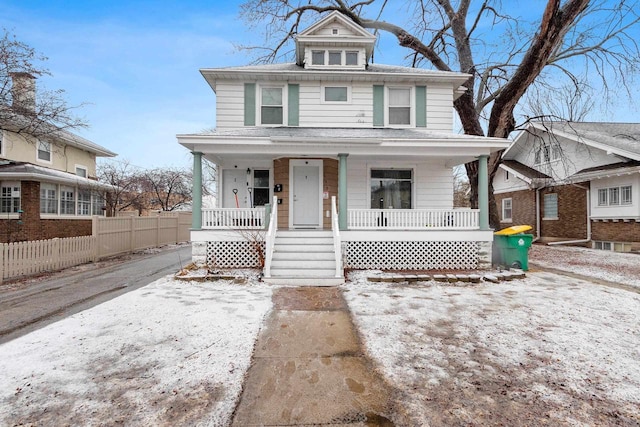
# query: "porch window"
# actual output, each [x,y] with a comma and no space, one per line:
[44,151]
[391,188]
[10,197]
[84,202]
[603,197]
[550,206]
[260,187]
[507,210]
[97,204]
[614,196]
[271,107]
[399,106]
[67,201]
[625,195]
[48,198]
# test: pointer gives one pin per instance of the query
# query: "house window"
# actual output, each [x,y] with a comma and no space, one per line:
[260,187]
[81,171]
[44,151]
[614,196]
[10,197]
[336,94]
[335,57]
[351,58]
[84,202]
[550,209]
[97,204]
[547,153]
[67,201]
[506,209]
[391,188]
[399,106]
[625,195]
[48,199]
[317,57]
[271,108]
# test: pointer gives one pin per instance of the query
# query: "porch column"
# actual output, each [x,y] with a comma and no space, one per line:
[196,214]
[342,191]
[483,192]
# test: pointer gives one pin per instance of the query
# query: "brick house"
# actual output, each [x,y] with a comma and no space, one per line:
[48,185]
[574,183]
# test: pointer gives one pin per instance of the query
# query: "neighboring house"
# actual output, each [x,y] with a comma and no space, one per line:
[574,182]
[377,138]
[48,186]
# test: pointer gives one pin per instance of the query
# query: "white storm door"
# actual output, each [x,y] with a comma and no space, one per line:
[306,202]
[234,187]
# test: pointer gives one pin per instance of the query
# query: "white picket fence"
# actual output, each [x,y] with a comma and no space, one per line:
[111,236]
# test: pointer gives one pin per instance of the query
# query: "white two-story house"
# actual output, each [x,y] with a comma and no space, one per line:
[343,163]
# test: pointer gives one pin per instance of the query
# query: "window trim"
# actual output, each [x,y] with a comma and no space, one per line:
[544,204]
[285,104]
[604,196]
[323,93]
[504,209]
[50,151]
[412,106]
[411,168]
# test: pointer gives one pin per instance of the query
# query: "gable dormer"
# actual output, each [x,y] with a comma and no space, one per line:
[334,43]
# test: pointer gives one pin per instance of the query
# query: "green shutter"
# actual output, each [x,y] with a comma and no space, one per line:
[378,105]
[249,104]
[294,105]
[421,106]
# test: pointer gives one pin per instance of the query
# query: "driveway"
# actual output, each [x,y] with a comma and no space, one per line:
[30,304]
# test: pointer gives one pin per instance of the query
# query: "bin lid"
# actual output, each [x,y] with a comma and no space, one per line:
[513,230]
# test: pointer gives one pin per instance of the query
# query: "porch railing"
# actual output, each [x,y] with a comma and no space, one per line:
[234,218]
[337,245]
[270,238]
[413,219]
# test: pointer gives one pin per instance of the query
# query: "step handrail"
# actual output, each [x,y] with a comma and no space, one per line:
[271,237]
[337,245]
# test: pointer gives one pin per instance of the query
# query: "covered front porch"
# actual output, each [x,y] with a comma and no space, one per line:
[387,202]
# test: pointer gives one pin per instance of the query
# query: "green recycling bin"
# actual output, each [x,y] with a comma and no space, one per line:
[512,250]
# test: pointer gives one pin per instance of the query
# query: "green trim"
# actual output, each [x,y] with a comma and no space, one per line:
[421,106]
[249,104]
[196,201]
[483,192]
[294,105]
[378,105]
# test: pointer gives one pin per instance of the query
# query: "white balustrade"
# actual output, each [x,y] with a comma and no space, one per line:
[337,245]
[233,218]
[413,219]
[270,238]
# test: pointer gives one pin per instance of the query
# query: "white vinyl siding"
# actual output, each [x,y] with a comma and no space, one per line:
[230,105]
[627,190]
[314,112]
[432,183]
[439,107]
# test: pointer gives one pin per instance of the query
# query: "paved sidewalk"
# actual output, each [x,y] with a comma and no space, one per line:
[308,367]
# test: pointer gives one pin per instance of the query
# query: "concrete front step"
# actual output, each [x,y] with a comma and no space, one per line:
[303,256]
[303,272]
[304,281]
[304,240]
[302,248]
[305,233]
[303,264]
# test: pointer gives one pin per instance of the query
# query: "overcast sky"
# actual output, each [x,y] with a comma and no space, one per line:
[136,63]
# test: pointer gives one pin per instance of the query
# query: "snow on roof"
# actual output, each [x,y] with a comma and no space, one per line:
[20,170]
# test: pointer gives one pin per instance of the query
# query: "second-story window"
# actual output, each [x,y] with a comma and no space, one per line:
[336,94]
[399,106]
[44,151]
[317,57]
[271,110]
[81,171]
[335,57]
[351,58]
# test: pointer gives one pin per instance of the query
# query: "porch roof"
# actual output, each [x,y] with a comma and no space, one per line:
[20,171]
[273,142]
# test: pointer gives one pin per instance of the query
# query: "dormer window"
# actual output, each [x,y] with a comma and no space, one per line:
[317,57]
[335,58]
[350,58]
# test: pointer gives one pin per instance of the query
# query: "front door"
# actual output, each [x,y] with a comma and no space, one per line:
[234,188]
[306,179]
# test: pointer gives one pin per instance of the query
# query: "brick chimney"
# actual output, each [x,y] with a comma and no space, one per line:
[23,91]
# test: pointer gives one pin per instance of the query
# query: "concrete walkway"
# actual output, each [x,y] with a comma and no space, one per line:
[308,367]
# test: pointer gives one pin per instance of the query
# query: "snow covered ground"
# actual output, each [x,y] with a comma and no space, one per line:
[605,265]
[171,353]
[546,350]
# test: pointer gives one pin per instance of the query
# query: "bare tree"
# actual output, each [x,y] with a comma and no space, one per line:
[126,180]
[23,109]
[167,189]
[571,41]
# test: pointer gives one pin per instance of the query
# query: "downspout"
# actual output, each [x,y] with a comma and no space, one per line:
[538,224]
[588,239]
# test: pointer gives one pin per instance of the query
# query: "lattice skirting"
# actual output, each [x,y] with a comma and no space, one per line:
[233,254]
[412,255]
